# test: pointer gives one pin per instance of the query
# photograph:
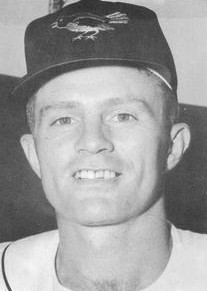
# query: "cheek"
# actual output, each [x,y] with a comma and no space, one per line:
[146,165]
[55,163]
[145,156]
[55,156]
[140,144]
[54,147]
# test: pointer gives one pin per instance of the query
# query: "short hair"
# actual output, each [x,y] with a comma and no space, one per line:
[169,100]
[30,112]
[171,108]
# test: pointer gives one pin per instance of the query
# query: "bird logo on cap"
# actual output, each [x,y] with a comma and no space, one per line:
[88,25]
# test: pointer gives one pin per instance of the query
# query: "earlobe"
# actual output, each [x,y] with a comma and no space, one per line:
[27,143]
[180,141]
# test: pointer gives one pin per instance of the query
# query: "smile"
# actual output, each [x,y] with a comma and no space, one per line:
[94,175]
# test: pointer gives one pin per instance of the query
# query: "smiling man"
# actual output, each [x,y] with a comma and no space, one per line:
[101,103]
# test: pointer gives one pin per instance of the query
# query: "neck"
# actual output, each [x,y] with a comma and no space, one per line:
[127,256]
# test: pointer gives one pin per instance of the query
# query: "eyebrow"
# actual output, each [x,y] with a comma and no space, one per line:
[144,105]
[111,102]
[59,105]
[117,100]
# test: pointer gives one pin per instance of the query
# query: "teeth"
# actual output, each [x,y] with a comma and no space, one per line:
[99,174]
[107,175]
[91,175]
[83,174]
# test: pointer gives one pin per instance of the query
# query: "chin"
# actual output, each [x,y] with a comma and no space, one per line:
[97,213]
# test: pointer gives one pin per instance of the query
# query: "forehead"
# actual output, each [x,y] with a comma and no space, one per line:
[99,86]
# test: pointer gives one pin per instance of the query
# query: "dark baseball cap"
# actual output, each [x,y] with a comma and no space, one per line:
[93,33]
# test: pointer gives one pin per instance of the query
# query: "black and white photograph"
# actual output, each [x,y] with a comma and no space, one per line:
[103,145]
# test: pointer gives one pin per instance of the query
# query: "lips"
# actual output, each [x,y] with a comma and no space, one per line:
[96,175]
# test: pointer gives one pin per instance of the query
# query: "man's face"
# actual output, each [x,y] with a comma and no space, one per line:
[101,144]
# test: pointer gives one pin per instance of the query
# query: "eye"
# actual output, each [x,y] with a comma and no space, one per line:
[124,117]
[64,121]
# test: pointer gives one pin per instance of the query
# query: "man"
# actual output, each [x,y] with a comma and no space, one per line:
[101,104]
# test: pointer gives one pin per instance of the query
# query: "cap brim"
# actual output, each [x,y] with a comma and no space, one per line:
[29,84]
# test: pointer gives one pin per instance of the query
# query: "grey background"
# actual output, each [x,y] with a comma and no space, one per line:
[23,208]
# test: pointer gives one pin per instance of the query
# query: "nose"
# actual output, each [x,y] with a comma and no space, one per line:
[94,139]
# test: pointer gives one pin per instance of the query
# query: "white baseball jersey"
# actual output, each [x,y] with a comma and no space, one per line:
[29,264]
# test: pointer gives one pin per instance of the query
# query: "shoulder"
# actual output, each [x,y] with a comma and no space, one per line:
[190,257]
[31,247]
[187,266]
[35,242]
[25,260]
[190,240]
[3,246]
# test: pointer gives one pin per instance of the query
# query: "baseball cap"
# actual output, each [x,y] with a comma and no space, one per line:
[93,33]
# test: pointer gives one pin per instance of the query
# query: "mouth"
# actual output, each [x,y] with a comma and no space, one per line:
[95,175]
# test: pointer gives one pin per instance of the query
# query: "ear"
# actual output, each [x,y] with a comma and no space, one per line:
[28,145]
[180,140]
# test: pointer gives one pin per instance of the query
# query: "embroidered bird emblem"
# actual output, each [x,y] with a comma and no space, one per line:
[88,25]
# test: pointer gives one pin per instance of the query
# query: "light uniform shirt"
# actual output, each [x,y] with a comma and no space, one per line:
[29,264]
